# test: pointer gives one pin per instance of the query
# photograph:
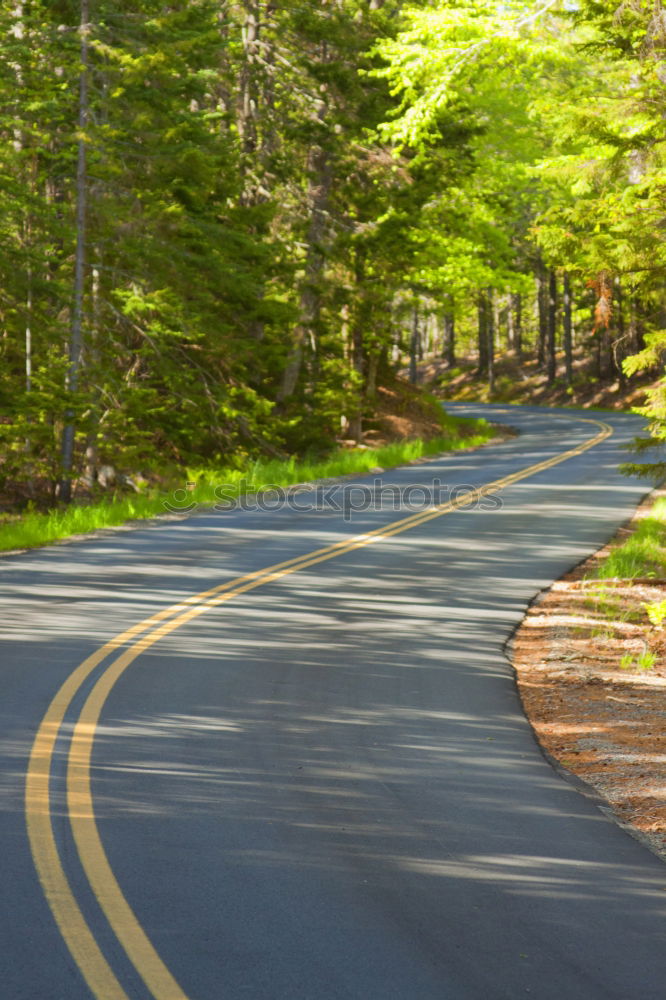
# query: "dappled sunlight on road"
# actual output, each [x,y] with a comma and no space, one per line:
[338,756]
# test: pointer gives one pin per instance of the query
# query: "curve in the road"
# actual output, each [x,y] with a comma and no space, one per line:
[78,936]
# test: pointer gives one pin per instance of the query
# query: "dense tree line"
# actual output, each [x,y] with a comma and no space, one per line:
[223,223]
[562,237]
[188,229]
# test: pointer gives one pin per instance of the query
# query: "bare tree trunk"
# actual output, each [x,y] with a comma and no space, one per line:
[414,346]
[249,110]
[551,362]
[515,321]
[596,340]
[619,352]
[248,96]
[606,365]
[423,333]
[542,303]
[359,318]
[19,32]
[28,335]
[637,340]
[373,366]
[497,322]
[567,329]
[490,333]
[449,352]
[482,334]
[318,193]
[92,456]
[75,342]
[358,358]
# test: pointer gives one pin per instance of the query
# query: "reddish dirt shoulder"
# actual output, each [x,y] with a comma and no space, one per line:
[602,722]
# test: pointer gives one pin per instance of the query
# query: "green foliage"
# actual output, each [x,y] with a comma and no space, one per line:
[656,613]
[34,528]
[273,193]
[654,408]
[199,238]
[482,63]
[564,110]
[644,553]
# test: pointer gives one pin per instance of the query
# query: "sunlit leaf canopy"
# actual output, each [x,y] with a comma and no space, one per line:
[275,198]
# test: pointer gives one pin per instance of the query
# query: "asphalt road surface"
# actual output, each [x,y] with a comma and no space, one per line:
[316,782]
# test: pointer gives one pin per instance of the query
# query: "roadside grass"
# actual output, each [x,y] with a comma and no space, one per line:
[641,557]
[206,486]
[644,552]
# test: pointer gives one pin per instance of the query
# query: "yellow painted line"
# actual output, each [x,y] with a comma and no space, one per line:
[56,888]
[73,927]
[121,917]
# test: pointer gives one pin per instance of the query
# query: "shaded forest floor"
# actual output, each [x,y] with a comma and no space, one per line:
[399,412]
[577,659]
[404,425]
[523,381]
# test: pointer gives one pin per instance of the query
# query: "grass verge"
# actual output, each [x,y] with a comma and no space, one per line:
[644,552]
[625,591]
[32,529]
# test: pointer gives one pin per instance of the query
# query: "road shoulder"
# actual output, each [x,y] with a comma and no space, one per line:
[594,719]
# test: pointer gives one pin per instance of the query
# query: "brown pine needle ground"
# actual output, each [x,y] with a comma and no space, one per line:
[593,709]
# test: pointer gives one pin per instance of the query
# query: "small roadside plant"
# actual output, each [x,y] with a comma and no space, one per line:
[656,613]
[644,661]
[644,552]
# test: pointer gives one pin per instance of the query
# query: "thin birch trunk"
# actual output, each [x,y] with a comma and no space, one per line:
[321,175]
[19,32]
[490,338]
[76,336]
[551,361]
[619,352]
[414,346]
[567,329]
[92,449]
[542,304]
[449,352]
[482,333]
[515,321]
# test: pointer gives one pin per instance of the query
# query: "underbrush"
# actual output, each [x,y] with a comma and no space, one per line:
[202,486]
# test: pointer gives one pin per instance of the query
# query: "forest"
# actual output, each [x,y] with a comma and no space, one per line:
[226,224]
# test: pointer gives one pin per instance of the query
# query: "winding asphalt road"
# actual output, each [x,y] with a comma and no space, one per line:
[316,782]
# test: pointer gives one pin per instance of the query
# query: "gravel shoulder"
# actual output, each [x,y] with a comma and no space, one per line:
[596,719]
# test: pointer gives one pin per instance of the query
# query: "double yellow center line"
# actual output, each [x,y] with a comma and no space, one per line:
[87,953]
